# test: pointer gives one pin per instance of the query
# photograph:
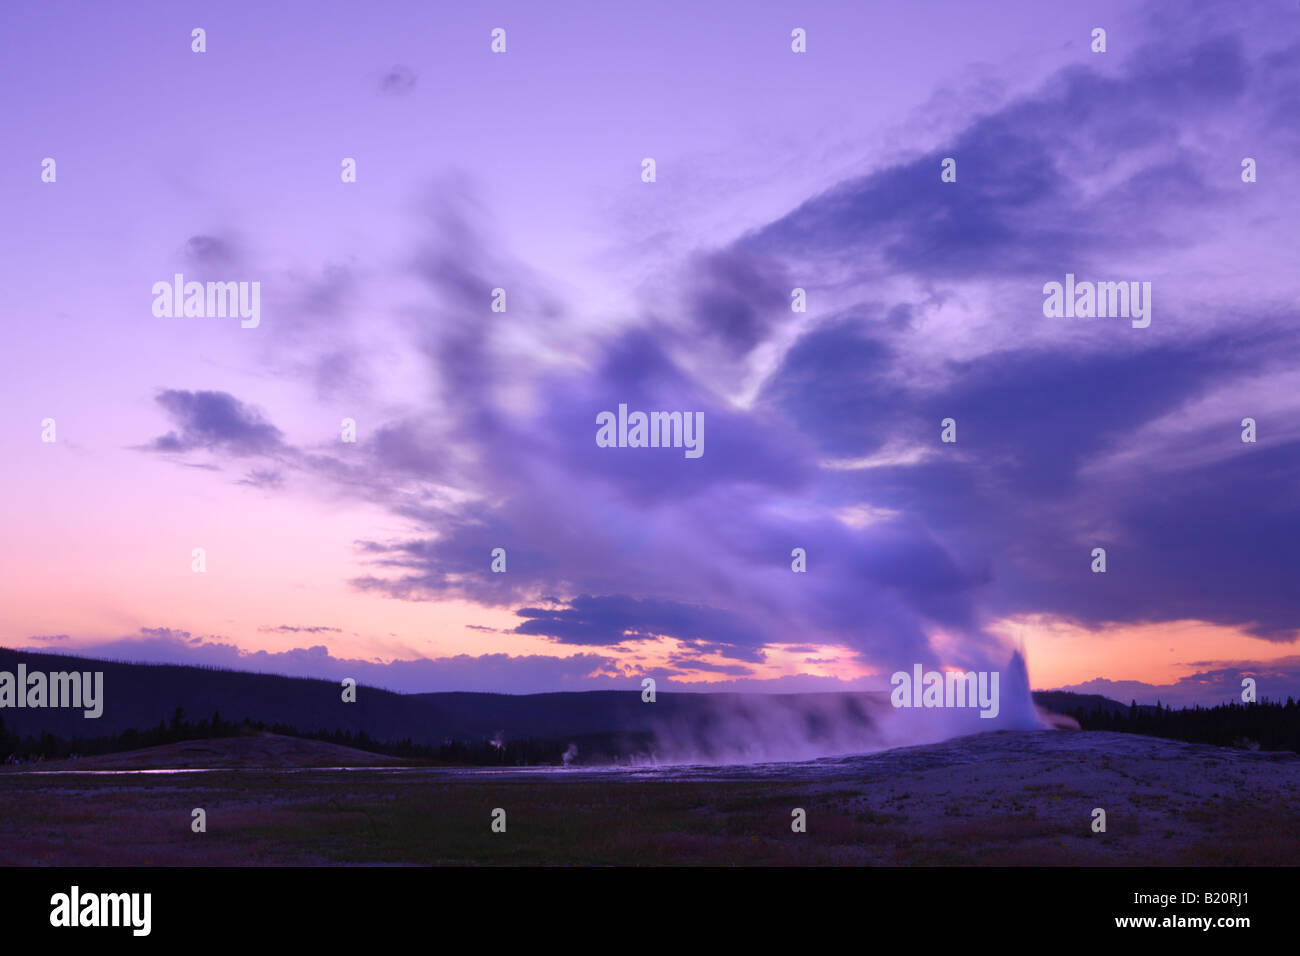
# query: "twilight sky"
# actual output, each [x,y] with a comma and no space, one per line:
[476,429]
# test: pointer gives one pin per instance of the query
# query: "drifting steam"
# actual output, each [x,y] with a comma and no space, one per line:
[752,728]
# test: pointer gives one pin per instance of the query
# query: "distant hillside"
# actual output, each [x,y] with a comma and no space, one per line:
[142,696]
[150,704]
[1066,702]
[726,726]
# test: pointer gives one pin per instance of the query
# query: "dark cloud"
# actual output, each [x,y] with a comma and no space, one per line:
[833,386]
[637,543]
[611,620]
[215,421]
[1014,495]
[1017,207]
[210,251]
[1018,498]
[263,478]
[736,297]
[692,663]
[397,81]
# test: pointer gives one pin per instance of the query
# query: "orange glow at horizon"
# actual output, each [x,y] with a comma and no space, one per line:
[1060,653]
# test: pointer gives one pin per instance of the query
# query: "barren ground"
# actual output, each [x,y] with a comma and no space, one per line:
[994,799]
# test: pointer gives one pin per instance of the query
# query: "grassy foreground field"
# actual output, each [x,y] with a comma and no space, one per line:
[995,799]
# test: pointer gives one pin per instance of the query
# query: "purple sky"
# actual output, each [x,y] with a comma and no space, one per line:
[475,429]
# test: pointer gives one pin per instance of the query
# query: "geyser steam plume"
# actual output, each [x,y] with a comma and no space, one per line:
[759,728]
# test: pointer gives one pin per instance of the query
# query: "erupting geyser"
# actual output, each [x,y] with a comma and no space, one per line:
[938,705]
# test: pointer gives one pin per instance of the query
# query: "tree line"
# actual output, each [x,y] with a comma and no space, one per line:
[1266,725]
[531,751]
